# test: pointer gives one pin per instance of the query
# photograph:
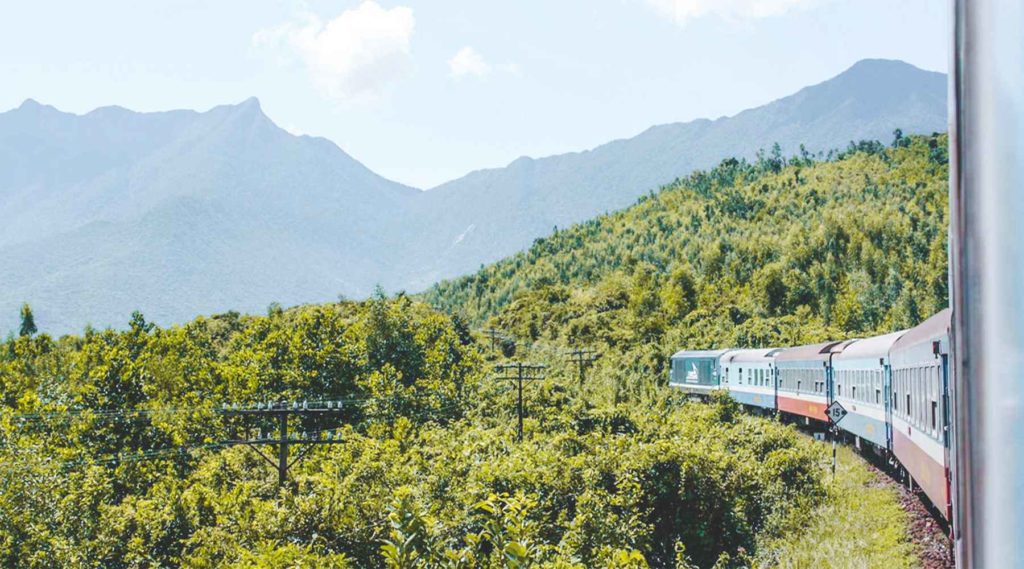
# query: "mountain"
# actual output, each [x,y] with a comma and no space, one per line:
[491,214]
[757,254]
[181,212]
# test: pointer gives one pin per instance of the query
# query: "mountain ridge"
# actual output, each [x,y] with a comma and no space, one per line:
[96,195]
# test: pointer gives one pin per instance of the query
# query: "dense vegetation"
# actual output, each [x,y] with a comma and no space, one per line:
[775,252]
[112,447]
[112,455]
[859,524]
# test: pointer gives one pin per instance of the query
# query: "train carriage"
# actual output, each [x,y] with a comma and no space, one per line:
[861,377]
[803,379]
[750,376]
[920,407]
[696,371]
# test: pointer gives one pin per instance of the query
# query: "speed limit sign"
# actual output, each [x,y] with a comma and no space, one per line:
[836,412]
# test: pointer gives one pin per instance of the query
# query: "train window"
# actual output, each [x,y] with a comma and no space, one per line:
[935,407]
[919,399]
[914,396]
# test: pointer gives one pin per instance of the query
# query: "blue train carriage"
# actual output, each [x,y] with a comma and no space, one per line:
[861,379]
[804,379]
[749,375]
[921,407]
[696,371]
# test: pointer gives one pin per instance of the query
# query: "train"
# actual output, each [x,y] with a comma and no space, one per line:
[895,389]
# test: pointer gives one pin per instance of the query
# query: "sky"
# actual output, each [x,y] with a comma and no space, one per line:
[426,91]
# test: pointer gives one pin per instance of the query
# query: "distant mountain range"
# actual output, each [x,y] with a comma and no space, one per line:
[182,213]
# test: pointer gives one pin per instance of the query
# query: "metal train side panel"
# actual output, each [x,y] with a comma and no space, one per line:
[803,382]
[920,403]
[859,383]
[749,375]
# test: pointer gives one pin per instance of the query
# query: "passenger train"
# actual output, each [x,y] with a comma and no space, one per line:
[895,388]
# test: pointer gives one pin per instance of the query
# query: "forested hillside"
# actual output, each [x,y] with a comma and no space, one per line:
[114,444]
[773,252]
[113,455]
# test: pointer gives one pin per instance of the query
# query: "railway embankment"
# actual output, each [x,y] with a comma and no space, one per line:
[866,520]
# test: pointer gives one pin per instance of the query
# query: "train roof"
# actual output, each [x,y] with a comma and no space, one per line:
[819,352]
[932,329]
[874,347]
[699,353]
[752,355]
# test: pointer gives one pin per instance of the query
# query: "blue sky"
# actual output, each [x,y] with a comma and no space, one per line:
[426,91]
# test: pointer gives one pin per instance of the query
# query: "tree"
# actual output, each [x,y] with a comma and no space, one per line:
[28,321]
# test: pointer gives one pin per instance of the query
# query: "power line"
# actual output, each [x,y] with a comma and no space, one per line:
[281,412]
[583,358]
[520,372]
[147,411]
[494,334]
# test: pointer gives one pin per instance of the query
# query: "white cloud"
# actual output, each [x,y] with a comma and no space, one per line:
[353,57]
[682,11]
[468,62]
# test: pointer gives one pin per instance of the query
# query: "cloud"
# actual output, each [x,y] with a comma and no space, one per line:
[352,57]
[468,62]
[682,11]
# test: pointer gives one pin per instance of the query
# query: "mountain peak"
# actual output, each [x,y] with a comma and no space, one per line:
[874,68]
[250,105]
[32,105]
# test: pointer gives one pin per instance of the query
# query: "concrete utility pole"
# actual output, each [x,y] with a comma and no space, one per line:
[493,334]
[520,372]
[281,412]
[584,358]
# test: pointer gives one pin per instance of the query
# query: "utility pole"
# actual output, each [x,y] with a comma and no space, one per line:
[493,334]
[520,372]
[584,358]
[282,411]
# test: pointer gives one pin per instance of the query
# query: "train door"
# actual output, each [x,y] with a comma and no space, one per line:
[887,402]
[774,370]
[946,439]
[830,395]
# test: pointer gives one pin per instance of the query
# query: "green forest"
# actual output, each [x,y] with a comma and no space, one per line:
[115,443]
[775,252]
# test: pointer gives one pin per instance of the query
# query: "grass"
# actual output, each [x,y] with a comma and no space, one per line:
[860,524]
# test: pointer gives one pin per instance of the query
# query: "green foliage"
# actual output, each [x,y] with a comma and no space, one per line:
[111,449]
[116,462]
[859,524]
[773,252]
